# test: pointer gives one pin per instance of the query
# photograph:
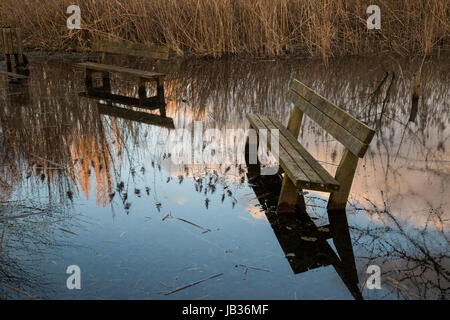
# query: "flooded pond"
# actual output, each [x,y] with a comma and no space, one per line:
[83,183]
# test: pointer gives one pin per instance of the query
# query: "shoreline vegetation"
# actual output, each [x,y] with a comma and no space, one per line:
[252,28]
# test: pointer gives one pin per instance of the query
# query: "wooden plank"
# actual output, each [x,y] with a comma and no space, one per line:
[7,41]
[289,197]
[351,124]
[111,68]
[316,182]
[132,49]
[151,103]
[132,115]
[344,175]
[14,75]
[19,44]
[331,183]
[294,172]
[295,121]
[352,143]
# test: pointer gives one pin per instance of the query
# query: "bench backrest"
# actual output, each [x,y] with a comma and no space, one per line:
[352,133]
[11,40]
[131,49]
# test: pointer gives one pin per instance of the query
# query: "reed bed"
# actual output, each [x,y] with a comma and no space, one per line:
[215,28]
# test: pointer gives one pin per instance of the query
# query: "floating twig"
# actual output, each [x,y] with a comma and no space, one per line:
[193,283]
[254,268]
[68,231]
[194,224]
[17,290]
[2,241]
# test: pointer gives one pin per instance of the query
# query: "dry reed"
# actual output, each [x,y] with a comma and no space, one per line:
[216,28]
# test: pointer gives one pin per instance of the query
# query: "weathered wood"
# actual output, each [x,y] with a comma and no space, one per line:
[314,179]
[7,41]
[132,49]
[117,69]
[301,169]
[160,89]
[331,183]
[352,125]
[295,121]
[143,117]
[19,45]
[289,165]
[332,127]
[8,64]
[344,175]
[88,78]
[289,197]
[151,103]
[293,162]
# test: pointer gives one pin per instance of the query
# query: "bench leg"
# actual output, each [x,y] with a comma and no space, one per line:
[8,63]
[106,82]
[290,197]
[160,89]
[251,149]
[344,175]
[142,92]
[88,78]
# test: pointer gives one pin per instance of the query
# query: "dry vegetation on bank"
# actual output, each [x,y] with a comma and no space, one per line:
[250,27]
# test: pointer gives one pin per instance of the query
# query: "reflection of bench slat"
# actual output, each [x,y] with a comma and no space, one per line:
[117,69]
[133,115]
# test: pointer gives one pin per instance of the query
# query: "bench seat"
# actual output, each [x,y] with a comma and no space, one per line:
[301,167]
[111,68]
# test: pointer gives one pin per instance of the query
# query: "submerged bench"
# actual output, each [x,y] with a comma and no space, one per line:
[302,171]
[106,67]
[11,43]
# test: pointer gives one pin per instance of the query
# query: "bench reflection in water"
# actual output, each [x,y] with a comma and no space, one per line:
[304,244]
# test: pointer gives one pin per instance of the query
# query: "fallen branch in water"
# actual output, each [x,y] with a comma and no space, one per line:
[68,231]
[196,225]
[193,283]
[254,268]
[17,290]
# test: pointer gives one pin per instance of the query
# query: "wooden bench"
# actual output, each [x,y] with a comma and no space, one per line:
[11,41]
[105,68]
[301,170]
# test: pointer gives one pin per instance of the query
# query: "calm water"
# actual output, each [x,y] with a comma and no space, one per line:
[82,185]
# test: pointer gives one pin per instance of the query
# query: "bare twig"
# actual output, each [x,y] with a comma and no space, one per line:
[193,283]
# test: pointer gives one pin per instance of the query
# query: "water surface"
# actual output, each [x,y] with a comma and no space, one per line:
[83,185]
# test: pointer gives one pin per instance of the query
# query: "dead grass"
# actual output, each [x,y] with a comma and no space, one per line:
[215,28]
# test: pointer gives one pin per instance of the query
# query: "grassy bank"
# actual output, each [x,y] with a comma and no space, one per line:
[249,27]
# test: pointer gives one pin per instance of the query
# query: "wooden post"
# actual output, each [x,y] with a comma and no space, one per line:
[8,63]
[142,91]
[19,49]
[88,78]
[160,89]
[106,82]
[290,196]
[344,175]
